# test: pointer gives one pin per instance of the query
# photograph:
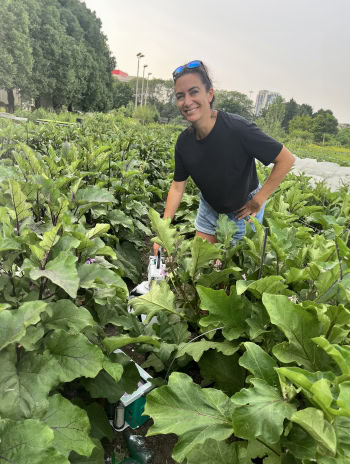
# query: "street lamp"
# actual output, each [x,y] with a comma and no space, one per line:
[143,80]
[147,89]
[139,56]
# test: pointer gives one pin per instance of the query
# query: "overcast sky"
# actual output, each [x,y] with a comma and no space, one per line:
[299,48]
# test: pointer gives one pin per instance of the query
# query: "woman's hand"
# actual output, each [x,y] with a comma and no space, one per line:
[251,208]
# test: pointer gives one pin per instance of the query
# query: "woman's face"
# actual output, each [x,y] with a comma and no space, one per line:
[192,98]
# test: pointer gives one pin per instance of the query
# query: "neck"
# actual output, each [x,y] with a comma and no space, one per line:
[204,127]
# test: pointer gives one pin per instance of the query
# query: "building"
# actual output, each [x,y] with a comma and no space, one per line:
[122,76]
[4,103]
[264,99]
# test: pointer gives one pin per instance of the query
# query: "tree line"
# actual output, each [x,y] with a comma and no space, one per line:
[55,52]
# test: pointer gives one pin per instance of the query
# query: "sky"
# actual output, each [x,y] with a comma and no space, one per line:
[299,48]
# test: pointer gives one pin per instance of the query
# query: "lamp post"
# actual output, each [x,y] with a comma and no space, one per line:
[143,80]
[139,56]
[147,89]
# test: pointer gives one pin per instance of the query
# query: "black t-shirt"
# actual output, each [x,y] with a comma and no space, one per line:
[223,164]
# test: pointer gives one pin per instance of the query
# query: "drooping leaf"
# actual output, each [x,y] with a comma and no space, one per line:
[13,322]
[62,272]
[28,442]
[203,253]
[113,343]
[24,387]
[299,324]
[313,421]
[229,377]
[164,231]
[159,298]
[71,426]
[75,355]
[64,314]
[192,413]
[262,412]
[229,311]
[259,363]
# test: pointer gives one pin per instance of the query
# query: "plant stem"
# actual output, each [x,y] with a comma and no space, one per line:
[263,253]
[339,259]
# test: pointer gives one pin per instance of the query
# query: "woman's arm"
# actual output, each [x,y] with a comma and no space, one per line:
[282,165]
[172,203]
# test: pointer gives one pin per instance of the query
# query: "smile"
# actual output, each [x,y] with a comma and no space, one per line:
[191,110]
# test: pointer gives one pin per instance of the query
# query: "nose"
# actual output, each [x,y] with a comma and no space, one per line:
[187,99]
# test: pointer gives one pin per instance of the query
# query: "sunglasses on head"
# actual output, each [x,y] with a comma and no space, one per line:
[191,65]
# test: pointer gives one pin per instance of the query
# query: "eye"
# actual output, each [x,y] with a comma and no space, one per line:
[178,97]
[194,91]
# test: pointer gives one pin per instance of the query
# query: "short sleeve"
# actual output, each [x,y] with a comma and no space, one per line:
[258,144]
[180,173]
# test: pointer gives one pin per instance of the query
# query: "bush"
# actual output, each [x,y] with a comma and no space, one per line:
[146,114]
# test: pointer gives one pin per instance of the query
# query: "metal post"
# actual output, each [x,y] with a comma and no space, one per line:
[139,56]
[143,80]
[147,89]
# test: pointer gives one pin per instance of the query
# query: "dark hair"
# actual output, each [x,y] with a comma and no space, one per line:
[203,73]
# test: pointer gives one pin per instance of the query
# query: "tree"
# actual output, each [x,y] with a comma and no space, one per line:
[300,123]
[122,94]
[344,136]
[324,123]
[305,110]
[234,102]
[15,48]
[290,112]
[271,123]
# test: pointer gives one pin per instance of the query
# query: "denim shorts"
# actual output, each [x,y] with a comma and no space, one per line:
[207,217]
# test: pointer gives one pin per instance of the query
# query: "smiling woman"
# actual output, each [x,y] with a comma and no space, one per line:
[218,151]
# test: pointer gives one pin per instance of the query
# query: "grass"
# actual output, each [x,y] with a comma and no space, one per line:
[334,154]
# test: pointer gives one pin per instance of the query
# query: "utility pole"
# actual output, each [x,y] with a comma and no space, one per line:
[139,56]
[143,80]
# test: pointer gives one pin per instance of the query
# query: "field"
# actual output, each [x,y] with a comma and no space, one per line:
[334,154]
[251,360]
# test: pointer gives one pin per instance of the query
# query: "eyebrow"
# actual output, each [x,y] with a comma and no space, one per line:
[181,93]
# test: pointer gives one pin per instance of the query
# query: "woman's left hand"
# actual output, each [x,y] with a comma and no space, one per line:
[251,208]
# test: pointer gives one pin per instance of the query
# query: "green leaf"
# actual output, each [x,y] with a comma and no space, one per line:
[192,413]
[24,387]
[71,426]
[312,420]
[229,377]
[229,311]
[300,443]
[96,276]
[336,353]
[118,217]
[32,339]
[64,314]
[196,349]
[213,451]
[94,194]
[98,230]
[114,369]
[164,231]
[75,355]
[342,428]
[225,230]
[50,238]
[28,442]
[203,253]
[270,284]
[299,324]
[62,272]
[216,277]
[262,413]
[9,244]
[259,363]
[20,205]
[100,426]
[13,323]
[113,343]
[97,456]
[159,298]
[271,453]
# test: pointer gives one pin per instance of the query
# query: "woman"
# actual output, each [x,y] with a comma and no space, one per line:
[218,151]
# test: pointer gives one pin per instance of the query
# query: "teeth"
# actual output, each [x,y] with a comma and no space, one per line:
[191,111]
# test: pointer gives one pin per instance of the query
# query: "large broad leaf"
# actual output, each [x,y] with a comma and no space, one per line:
[164,231]
[340,354]
[229,311]
[342,428]
[159,298]
[97,276]
[196,349]
[50,238]
[269,453]
[94,194]
[229,377]
[128,259]
[71,426]
[299,325]
[100,426]
[13,322]
[98,230]
[192,413]
[28,442]
[270,284]
[203,253]
[97,456]
[75,355]
[225,230]
[117,217]
[64,314]
[300,443]
[216,452]
[62,272]
[113,343]
[313,421]
[20,205]
[216,277]
[262,413]
[259,363]
[24,387]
